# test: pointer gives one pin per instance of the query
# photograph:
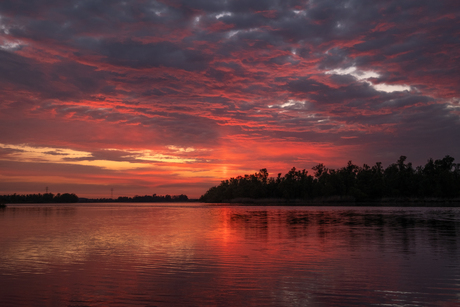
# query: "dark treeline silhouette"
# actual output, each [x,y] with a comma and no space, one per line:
[437,179]
[139,199]
[39,198]
[154,198]
[72,198]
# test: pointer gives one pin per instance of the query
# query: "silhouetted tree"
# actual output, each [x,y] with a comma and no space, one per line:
[439,178]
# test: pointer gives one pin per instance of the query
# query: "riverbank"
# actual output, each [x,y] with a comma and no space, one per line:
[350,201]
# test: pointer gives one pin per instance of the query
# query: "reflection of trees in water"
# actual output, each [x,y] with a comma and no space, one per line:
[255,223]
[402,228]
[37,210]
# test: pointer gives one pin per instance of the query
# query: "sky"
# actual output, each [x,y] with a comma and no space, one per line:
[171,97]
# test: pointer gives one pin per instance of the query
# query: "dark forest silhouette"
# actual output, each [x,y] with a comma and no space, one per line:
[154,198]
[140,199]
[72,198]
[39,198]
[437,179]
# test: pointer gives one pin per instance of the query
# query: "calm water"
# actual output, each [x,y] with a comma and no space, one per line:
[199,255]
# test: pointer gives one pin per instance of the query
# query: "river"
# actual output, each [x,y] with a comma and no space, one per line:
[192,254]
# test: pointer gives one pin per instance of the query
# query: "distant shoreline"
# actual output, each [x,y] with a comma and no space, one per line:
[396,203]
[49,198]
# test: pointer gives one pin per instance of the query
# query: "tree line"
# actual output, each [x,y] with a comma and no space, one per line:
[436,179]
[154,198]
[72,198]
[138,199]
[39,198]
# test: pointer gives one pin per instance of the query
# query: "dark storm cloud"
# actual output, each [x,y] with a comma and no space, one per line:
[137,55]
[20,72]
[59,80]
[307,85]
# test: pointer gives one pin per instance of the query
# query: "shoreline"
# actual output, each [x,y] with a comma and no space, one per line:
[337,201]
[321,202]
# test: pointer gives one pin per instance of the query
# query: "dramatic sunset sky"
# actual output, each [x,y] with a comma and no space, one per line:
[171,97]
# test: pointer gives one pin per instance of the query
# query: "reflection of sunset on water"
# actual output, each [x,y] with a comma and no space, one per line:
[194,254]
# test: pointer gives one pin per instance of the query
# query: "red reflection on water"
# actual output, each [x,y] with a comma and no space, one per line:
[243,255]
